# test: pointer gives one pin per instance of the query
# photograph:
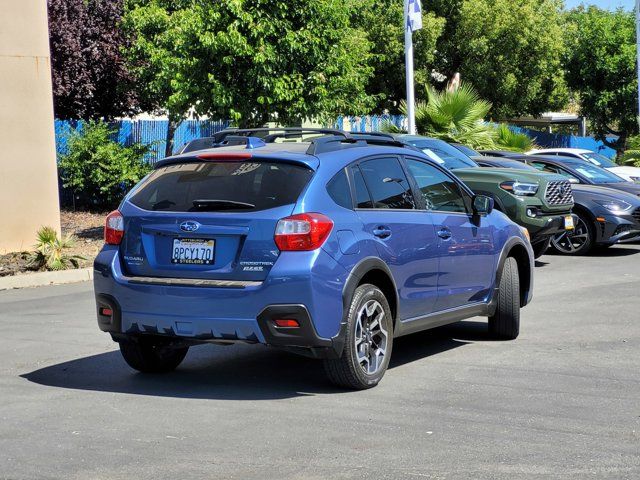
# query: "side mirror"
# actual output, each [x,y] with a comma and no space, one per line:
[573,180]
[482,205]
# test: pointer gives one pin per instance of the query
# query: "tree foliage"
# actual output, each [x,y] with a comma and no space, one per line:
[601,69]
[99,170]
[383,22]
[252,61]
[510,50]
[631,155]
[90,78]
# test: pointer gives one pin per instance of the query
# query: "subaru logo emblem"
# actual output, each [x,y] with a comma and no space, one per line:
[189,226]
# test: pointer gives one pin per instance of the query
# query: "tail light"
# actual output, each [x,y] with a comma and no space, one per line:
[303,232]
[114,228]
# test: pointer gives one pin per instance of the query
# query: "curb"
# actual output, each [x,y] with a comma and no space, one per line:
[41,279]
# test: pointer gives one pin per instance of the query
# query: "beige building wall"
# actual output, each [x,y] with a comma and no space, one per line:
[28,179]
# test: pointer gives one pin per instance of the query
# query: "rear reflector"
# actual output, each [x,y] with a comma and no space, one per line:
[303,232]
[106,312]
[114,228]
[222,156]
[286,323]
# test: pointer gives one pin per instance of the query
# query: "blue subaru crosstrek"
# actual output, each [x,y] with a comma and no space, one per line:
[329,247]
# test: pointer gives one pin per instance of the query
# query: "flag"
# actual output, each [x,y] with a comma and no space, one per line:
[414,15]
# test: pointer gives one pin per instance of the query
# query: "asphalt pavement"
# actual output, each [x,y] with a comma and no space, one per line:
[561,401]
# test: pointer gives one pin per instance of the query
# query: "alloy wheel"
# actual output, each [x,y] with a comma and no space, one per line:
[371,339]
[572,241]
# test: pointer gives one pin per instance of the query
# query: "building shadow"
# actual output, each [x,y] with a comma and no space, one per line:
[239,372]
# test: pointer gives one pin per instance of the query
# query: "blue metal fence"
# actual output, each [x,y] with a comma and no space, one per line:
[553,140]
[147,132]
[154,133]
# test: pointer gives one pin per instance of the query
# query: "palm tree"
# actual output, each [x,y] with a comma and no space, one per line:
[455,116]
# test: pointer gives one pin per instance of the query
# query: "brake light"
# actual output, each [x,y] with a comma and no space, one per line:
[221,156]
[302,232]
[114,228]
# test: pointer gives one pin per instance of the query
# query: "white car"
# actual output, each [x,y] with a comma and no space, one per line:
[632,174]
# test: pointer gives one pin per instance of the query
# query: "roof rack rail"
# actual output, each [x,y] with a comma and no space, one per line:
[329,139]
[270,134]
[335,142]
[372,134]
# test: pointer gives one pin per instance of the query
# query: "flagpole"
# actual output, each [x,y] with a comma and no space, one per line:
[408,58]
[637,49]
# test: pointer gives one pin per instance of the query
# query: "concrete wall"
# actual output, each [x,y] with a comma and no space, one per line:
[28,180]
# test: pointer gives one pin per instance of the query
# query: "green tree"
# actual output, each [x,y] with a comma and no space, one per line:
[383,21]
[510,50]
[601,70]
[252,61]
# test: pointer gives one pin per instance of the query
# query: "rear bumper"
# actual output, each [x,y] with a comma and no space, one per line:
[228,313]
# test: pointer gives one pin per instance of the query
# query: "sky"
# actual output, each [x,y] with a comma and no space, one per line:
[610,4]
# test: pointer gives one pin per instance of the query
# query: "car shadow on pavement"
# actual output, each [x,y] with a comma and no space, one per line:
[240,372]
[621,250]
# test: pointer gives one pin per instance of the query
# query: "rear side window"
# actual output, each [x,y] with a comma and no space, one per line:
[338,188]
[222,186]
[387,183]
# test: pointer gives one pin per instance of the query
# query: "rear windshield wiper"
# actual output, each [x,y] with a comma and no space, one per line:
[212,205]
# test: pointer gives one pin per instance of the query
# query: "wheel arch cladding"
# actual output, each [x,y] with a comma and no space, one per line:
[519,252]
[374,271]
[381,280]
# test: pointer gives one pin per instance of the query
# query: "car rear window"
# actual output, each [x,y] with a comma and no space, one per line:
[222,186]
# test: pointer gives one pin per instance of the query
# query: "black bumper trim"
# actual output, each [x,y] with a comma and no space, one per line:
[112,324]
[304,339]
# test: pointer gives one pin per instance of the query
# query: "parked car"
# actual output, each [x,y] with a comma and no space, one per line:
[631,174]
[603,216]
[578,171]
[496,153]
[541,204]
[501,162]
[330,248]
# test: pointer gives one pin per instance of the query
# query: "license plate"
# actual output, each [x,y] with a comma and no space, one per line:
[568,222]
[193,251]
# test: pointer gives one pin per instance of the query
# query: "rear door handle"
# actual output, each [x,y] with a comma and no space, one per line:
[444,233]
[382,231]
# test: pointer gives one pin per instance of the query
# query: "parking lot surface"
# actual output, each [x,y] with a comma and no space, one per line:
[561,401]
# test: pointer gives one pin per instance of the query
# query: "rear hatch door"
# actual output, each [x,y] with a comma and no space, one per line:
[209,219]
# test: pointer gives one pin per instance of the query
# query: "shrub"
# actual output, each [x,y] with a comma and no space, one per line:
[507,139]
[631,156]
[50,251]
[99,170]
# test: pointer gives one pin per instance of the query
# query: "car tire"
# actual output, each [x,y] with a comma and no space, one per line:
[579,242]
[540,248]
[150,355]
[505,322]
[368,343]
